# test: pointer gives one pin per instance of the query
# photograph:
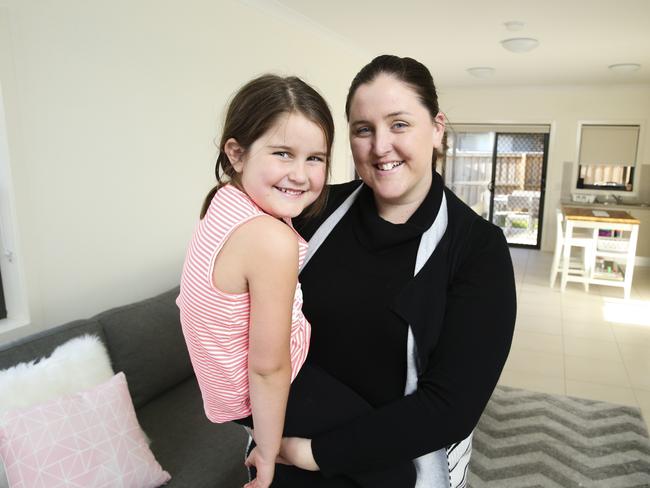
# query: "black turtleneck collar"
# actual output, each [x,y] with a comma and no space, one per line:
[375,233]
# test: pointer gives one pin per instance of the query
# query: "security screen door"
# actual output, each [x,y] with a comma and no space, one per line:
[499,171]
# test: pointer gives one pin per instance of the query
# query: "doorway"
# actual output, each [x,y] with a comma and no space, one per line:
[500,172]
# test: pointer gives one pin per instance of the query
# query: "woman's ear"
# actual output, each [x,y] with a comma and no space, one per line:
[235,154]
[439,124]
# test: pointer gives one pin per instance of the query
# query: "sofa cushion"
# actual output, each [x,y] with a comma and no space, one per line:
[193,450]
[79,364]
[89,438]
[43,343]
[145,341]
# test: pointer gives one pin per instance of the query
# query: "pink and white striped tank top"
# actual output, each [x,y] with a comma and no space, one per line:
[215,323]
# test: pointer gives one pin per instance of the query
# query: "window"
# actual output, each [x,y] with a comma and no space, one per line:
[3,307]
[13,302]
[607,157]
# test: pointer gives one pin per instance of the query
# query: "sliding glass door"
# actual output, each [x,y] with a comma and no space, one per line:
[499,171]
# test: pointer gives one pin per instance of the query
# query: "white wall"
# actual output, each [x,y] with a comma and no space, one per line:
[561,106]
[112,108]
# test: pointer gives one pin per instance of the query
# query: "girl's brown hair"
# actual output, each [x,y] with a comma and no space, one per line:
[253,111]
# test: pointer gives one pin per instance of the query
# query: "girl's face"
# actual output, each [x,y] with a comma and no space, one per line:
[392,137]
[284,170]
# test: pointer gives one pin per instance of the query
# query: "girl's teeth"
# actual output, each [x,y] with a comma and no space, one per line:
[290,192]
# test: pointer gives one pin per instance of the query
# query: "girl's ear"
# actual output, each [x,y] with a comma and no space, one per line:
[235,154]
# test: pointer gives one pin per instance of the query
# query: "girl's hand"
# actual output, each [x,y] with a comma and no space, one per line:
[265,470]
[297,451]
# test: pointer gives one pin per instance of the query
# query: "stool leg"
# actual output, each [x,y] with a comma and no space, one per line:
[555,265]
[591,257]
[566,257]
[585,268]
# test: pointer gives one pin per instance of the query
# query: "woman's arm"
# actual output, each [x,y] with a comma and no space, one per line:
[271,269]
[460,377]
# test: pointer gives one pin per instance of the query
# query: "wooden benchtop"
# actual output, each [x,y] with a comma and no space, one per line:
[587,214]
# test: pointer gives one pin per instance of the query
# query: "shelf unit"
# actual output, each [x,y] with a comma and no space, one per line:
[617,252]
[623,259]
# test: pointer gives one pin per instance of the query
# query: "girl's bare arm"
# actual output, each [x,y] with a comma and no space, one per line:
[270,261]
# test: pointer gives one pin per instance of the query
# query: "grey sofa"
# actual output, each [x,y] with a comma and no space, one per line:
[145,341]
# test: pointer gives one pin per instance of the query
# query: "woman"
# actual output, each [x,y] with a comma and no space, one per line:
[410,294]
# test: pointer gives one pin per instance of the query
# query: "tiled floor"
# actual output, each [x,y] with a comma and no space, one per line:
[592,345]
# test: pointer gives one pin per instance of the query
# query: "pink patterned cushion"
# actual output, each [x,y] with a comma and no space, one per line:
[88,439]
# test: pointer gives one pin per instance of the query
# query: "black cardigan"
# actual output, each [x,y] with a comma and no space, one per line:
[461,307]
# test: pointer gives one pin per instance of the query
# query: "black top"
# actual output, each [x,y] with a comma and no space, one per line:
[360,268]
[461,307]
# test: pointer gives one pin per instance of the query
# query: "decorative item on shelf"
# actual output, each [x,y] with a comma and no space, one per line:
[583,198]
[612,244]
[606,269]
[610,233]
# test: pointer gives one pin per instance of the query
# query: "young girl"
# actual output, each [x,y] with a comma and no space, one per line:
[240,300]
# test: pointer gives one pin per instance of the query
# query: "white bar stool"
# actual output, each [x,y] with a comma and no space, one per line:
[578,270]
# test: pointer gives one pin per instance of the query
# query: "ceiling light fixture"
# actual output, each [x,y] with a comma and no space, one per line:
[520,44]
[514,25]
[481,71]
[624,67]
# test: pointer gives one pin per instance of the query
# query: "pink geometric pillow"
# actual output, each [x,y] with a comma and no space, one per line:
[88,439]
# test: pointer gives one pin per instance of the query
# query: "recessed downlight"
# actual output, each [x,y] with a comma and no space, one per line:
[481,71]
[514,25]
[520,44]
[624,67]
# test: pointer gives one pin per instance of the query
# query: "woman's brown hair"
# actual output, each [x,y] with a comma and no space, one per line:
[253,111]
[407,70]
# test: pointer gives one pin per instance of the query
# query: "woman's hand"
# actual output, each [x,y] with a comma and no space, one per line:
[265,470]
[297,451]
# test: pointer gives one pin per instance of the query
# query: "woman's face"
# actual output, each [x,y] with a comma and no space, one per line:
[392,137]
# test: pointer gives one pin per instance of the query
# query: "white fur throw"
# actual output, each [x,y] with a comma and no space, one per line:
[76,365]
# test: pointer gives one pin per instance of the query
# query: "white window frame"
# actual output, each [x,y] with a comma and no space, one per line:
[637,164]
[13,282]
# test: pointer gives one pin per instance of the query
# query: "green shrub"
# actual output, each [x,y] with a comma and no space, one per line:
[519,224]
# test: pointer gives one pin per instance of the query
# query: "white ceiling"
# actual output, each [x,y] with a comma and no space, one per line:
[578,38]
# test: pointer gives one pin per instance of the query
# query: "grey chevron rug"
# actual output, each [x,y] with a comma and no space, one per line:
[534,440]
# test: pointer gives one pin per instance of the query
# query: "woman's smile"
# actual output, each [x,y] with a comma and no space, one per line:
[388,166]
